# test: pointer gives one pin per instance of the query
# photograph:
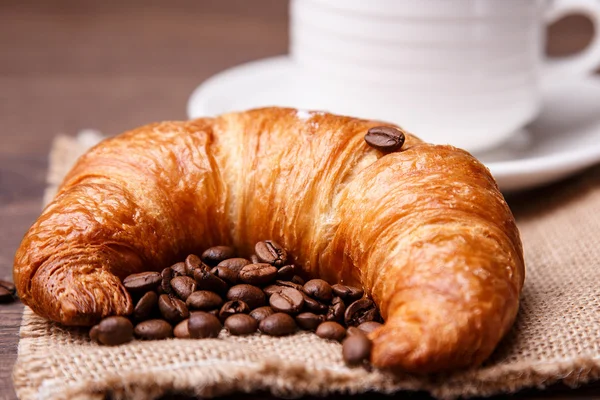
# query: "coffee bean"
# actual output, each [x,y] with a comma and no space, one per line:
[179,269]
[356,349]
[142,282]
[233,307]
[145,306]
[298,280]
[214,255]
[385,138]
[235,264]
[269,290]
[271,252]
[291,284]
[286,272]
[183,286]
[241,324]
[278,324]
[347,293]
[318,289]
[5,295]
[8,286]
[331,330]
[254,259]
[181,330]
[249,294]
[113,331]
[309,321]
[336,310]
[172,308]
[204,300]
[207,281]
[369,326]
[165,283]
[261,313]
[229,275]
[94,333]
[313,305]
[287,300]
[360,311]
[202,325]
[153,329]
[192,263]
[258,274]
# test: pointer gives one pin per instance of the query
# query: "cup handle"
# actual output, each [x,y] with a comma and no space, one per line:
[586,61]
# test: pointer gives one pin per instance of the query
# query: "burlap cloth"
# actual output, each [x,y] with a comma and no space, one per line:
[555,339]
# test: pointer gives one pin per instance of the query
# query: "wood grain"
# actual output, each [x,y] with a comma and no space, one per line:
[67,65]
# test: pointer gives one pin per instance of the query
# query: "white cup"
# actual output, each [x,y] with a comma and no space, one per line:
[464,72]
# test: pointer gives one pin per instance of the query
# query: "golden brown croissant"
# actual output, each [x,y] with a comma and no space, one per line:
[424,230]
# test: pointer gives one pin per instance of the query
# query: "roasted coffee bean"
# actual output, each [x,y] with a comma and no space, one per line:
[286,272]
[360,311]
[235,264]
[297,279]
[291,284]
[251,295]
[385,138]
[313,305]
[336,310]
[331,330]
[353,330]
[192,263]
[347,293]
[261,313]
[258,274]
[8,286]
[5,295]
[229,275]
[309,321]
[241,324]
[204,300]
[287,300]
[145,306]
[254,259]
[181,330]
[214,255]
[165,283]
[207,281]
[233,307]
[202,325]
[172,308]
[278,324]
[179,269]
[356,349]
[318,289]
[369,326]
[183,286]
[271,252]
[113,331]
[142,282]
[153,329]
[269,290]
[94,333]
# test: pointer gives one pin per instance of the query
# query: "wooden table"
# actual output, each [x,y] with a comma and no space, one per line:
[67,65]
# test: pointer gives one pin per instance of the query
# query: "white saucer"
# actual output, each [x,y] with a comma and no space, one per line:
[564,139]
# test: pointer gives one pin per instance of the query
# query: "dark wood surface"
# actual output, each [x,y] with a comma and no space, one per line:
[67,65]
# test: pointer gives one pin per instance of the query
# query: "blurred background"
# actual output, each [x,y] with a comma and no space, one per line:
[67,65]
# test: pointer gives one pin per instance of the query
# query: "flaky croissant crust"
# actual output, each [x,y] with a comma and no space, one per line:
[425,230]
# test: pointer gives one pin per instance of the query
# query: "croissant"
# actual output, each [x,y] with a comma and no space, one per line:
[425,230]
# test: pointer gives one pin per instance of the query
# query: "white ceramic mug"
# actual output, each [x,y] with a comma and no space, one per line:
[465,72]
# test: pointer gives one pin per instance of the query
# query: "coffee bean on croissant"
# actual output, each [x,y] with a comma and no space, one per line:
[385,138]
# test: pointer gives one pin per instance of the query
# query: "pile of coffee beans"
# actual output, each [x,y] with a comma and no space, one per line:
[200,296]
[8,292]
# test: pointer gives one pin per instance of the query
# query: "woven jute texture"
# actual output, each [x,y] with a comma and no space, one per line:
[556,337]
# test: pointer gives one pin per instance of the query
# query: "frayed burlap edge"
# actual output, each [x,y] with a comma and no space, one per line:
[33,377]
